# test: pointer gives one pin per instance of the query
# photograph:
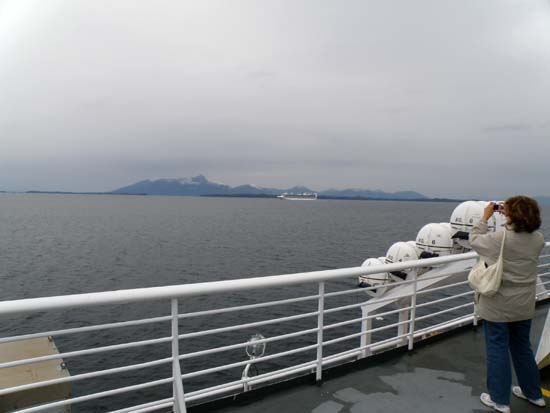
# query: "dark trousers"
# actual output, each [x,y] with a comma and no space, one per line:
[501,341]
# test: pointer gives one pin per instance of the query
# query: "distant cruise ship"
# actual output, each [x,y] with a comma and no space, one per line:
[305,196]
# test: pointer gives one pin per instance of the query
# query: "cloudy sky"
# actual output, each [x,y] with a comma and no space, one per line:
[446,97]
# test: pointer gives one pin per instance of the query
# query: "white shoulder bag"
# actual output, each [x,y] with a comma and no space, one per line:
[485,279]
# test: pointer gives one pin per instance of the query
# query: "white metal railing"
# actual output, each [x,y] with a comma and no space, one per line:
[315,340]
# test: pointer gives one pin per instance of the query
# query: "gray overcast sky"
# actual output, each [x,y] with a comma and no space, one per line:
[449,98]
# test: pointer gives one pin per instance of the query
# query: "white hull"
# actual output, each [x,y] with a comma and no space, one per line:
[298,197]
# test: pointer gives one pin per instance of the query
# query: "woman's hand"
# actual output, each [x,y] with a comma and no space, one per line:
[488,211]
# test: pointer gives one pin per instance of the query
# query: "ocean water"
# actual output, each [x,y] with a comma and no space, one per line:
[66,244]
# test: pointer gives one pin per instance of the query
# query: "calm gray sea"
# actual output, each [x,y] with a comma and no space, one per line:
[66,244]
[56,244]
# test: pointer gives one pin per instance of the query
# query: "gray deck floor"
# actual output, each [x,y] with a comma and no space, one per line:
[447,375]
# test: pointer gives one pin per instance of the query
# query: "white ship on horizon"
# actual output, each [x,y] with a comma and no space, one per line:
[304,196]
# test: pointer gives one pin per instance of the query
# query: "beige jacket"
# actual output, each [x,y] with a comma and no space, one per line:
[515,299]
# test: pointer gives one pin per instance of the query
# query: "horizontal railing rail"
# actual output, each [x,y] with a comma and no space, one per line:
[214,287]
[307,348]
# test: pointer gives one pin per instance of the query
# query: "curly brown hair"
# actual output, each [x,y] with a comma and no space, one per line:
[523,213]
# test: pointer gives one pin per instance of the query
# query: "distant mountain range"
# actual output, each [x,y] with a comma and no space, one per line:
[200,186]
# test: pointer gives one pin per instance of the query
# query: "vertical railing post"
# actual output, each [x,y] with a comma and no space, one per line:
[177,388]
[320,325]
[404,320]
[413,310]
[366,335]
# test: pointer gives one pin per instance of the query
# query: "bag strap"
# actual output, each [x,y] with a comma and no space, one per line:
[502,245]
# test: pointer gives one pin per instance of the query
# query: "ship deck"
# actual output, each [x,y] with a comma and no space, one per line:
[446,374]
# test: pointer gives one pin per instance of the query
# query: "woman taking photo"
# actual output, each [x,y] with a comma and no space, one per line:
[507,314]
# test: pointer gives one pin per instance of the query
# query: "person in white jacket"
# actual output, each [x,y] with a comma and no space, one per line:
[507,314]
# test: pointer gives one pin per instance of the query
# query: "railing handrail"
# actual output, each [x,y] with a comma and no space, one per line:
[215,287]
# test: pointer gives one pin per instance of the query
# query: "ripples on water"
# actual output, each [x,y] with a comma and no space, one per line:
[55,245]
